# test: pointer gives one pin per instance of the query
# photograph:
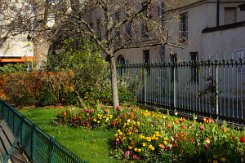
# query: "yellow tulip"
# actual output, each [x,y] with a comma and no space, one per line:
[148,138]
[135,149]
[151,148]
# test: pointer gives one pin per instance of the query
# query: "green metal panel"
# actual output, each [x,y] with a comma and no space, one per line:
[37,145]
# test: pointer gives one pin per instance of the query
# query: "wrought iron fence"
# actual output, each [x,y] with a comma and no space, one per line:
[211,88]
[37,145]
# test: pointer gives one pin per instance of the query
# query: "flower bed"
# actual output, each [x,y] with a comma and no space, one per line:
[153,136]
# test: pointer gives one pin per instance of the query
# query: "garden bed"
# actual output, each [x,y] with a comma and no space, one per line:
[142,135]
[152,136]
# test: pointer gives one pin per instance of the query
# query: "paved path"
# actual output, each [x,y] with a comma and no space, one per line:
[9,147]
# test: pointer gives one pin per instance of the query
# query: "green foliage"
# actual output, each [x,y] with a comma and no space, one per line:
[42,88]
[46,97]
[90,70]
[19,90]
[84,61]
[17,67]
[91,79]
[125,95]
[103,93]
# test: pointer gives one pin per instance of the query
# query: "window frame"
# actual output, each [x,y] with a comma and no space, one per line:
[183,27]
[194,74]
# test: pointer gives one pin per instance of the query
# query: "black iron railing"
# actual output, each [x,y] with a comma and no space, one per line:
[211,88]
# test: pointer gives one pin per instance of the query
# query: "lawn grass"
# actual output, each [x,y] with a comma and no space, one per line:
[90,145]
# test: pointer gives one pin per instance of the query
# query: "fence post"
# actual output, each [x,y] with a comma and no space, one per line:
[33,127]
[13,116]
[1,105]
[217,90]
[174,86]
[145,84]
[21,130]
[51,149]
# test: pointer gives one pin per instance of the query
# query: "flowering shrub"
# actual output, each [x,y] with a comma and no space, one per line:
[30,88]
[87,117]
[153,136]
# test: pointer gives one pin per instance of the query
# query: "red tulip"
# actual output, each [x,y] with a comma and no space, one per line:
[206,147]
[183,126]
[201,127]
[242,139]
[183,119]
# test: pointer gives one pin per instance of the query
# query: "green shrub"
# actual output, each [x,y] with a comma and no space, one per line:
[85,61]
[31,88]
[20,88]
[91,71]
[46,97]
[16,67]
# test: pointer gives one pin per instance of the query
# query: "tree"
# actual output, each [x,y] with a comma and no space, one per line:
[37,20]
[117,27]
[120,24]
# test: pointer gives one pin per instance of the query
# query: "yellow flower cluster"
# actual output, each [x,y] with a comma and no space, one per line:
[165,141]
[137,150]
[119,132]
[99,116]
[151,147]
[146,113]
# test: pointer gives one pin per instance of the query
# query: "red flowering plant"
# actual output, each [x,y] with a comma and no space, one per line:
[142,135]
[64,117]
[90,116]
[151,136]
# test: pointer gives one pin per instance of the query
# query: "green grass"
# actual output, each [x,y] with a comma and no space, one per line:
[90,145]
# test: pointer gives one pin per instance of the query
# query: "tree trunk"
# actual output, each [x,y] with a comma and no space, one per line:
[115,99]
[41,48]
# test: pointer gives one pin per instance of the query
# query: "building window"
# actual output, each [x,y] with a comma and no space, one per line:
[173,58]
[146,57]
[144,30]
[129,29]
[98,28]
[54,2]
[194,67]
[121,61]
[230,15]
[161,12]
[146,54]
[117,30]
[183,27]
[162,53]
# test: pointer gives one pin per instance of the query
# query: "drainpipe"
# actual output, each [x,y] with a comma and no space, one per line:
[217,13]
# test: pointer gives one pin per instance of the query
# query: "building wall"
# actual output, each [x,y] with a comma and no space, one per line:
[208,45]
[240,14]
[224,43]
[14,45]
[195,27]
[17,46]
